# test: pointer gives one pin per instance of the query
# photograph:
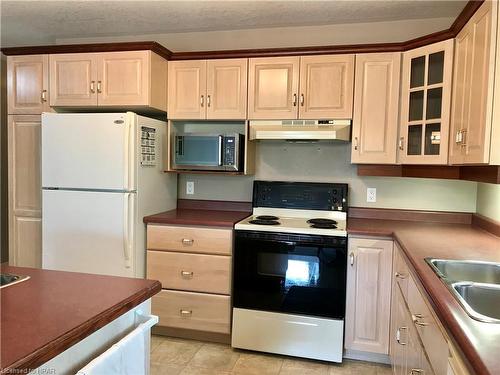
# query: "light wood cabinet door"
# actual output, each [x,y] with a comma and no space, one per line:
[24,190]
[426,80]
[326,87]
[187,87]
[273,85]
[123,78]
[368,295]
[227,89]
[73,79]
[27,84]
[399,336]
[376,108]
[473,88]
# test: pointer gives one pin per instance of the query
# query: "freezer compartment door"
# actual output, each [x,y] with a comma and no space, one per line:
[89,151]
[92,232]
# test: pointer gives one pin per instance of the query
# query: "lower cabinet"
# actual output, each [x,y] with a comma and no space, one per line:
[194,266]
[368,297]
[418,342]
[24,190]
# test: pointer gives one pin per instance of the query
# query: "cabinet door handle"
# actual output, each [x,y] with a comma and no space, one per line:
[302,101]
[400,275]
[294,102]
[351,259]
[356,143]
[92,87]
[99,86]
[415,371]
[202,100]
[184,312]
[458,137]
[187,241]
[401,143]
[43,96]
[208,100]
[187,274]
[417,320]
[398,335]
[463,138]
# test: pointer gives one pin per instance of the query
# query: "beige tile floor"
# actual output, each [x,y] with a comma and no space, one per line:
[172,356]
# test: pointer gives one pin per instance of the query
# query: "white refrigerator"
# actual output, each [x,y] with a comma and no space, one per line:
[101,174]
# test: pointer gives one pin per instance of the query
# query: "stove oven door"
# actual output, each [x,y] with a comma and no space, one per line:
[298,274]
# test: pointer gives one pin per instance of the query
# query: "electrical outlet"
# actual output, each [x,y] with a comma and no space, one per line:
[371,195]
[190,187]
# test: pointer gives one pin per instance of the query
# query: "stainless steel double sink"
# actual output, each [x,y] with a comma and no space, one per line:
[475,284]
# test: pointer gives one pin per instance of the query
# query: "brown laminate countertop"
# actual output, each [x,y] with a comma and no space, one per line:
[53,310]
[478,341]
[215,218]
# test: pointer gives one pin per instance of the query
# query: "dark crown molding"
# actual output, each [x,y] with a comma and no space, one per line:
[469,9]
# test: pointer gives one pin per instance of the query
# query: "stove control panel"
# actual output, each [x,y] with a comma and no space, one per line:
[300,195]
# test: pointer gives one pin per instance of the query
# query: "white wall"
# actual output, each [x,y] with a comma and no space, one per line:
[488,200]
[375,32]
[327,162]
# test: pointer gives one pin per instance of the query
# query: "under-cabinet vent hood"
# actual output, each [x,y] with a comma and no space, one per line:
[301,129]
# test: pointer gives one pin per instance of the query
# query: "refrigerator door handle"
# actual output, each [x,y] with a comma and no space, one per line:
[128,148]
[128,209]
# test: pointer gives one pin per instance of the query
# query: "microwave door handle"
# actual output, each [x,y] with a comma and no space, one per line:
[220,149]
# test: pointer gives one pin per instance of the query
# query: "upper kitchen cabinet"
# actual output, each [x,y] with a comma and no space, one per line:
[115,79]
[135,78]
[28,84]
[273,86]
[309,87]
[227,89]
[208,89]
[473,86]
[73,79]
[187,86]
[425,104]
[326,87]
[376,108]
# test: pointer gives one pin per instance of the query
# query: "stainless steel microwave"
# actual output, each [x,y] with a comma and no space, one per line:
[214,152]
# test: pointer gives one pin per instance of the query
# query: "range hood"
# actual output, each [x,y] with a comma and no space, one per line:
[301,129]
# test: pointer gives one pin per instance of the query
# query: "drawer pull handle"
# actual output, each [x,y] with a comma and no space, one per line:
[400,275]
[187,274]
[416,317]
[186,312]
[415,371]
[187,241]
[398,335]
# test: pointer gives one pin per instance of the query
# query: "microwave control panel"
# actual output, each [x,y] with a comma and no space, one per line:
[148,146]
[229,151]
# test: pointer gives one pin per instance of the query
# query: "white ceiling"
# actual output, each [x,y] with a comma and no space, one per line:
[42,22]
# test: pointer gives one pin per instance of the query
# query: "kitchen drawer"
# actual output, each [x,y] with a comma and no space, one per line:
[193,272]
[435,344]
[401,271]
[190,239]
[197,311]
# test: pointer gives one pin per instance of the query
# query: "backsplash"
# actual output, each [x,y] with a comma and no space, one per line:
[330,162]
[488,200]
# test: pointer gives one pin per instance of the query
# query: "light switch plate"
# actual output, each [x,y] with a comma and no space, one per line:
[371,195]
[190,187]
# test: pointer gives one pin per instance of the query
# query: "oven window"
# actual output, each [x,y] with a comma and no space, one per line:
[289,277]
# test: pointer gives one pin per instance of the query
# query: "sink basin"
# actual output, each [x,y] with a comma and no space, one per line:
[480,300]
[7,279]
[466,270]
[475,284]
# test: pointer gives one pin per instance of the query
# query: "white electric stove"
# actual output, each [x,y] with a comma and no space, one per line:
[289,277]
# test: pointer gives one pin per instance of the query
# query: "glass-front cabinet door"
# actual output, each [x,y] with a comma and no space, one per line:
[425,104]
